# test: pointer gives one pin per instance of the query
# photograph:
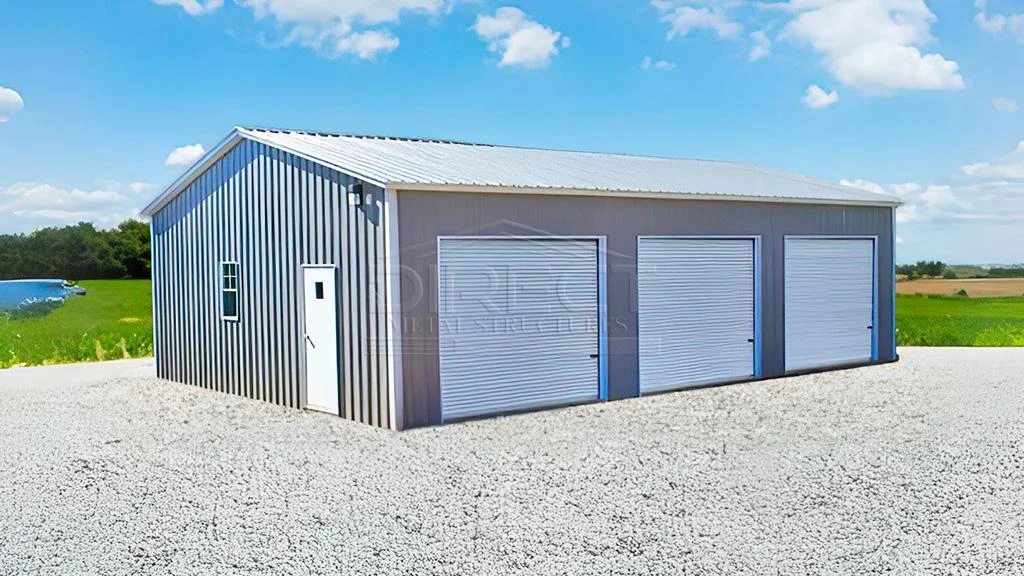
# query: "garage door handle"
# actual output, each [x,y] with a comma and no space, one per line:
[751,340]
[870,327]
[595,355]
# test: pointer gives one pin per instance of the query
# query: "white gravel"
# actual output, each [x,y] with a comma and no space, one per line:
[911,468]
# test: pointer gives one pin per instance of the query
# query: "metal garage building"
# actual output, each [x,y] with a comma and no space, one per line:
[405,283]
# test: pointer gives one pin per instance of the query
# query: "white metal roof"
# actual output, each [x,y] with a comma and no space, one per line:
[403,163]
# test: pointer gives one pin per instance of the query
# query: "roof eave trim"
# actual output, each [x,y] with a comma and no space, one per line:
[496,189]
[190,175]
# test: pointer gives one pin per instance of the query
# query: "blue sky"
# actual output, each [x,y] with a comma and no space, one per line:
[915,97]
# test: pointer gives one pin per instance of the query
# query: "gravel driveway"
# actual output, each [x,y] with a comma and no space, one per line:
[910,468]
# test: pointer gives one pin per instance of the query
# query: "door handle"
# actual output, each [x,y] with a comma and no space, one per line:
[751,340]
[595,355]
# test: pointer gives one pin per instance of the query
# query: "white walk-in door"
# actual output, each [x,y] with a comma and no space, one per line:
[830,292]
[321,338]
[696,311]
[517,324]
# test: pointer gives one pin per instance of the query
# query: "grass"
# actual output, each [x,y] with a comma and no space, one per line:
[951,321]
[113,320]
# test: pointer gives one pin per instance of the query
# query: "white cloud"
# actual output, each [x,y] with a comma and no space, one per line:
[367,45]
[519,40]
[1009,167]
[865,185]
[367,12]
[993,25]
[683,18]
[905,189]
[185,156]
[650,63]
[138,187]
[1004,104]
[909,192]
[10,103]
[333,28]
[339,40]
[27,206]
[873,45]
[194,7]
[980,222]
[907,213]
[816,98]
[919,203]
[939,196]
[999,23]
[762,46]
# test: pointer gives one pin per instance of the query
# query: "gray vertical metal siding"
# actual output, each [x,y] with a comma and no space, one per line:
[271,212]
[423,216]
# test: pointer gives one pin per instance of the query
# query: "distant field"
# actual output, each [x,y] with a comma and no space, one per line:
[975,288]
[113,320]
[951,321]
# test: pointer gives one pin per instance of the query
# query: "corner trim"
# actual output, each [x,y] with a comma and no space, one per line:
[393,289]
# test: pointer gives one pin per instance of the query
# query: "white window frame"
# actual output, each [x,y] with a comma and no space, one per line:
[224,288]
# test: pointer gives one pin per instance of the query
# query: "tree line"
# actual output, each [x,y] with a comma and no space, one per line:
[926,269]
[79,252]
[1015,271]
[937,269]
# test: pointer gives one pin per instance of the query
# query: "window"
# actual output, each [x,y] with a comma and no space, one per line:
[319,290]
[229,290]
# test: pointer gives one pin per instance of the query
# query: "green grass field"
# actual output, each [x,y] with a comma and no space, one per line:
[950,321]
[113,320]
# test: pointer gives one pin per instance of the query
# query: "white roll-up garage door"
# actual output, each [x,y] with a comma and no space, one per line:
[518,324]
[830,288]
[696,311]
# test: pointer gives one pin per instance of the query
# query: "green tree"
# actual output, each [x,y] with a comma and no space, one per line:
[130,243]
[77,252]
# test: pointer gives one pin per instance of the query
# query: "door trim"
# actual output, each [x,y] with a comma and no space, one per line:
[758,303]
[303,396]
[874,284]
[602,302]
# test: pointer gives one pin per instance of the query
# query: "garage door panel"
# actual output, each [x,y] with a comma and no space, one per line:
[696,311]
[829,302]
[490,397]
[518,324]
